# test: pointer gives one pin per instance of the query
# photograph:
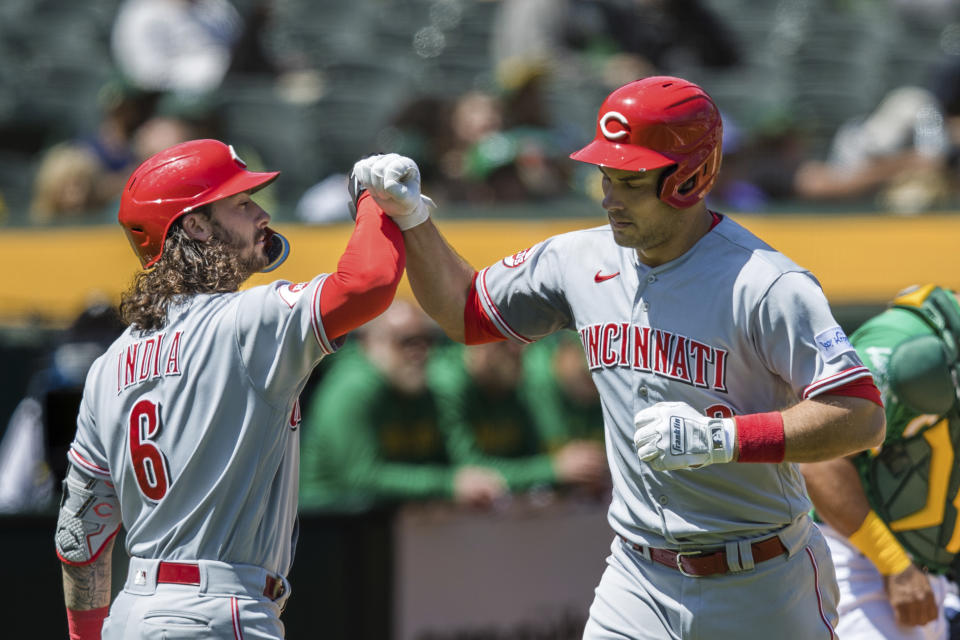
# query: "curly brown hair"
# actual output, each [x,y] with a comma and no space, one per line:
[187,267]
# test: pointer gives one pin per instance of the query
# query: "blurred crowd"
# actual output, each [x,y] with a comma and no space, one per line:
[505,137]
[469,424]
[402,414]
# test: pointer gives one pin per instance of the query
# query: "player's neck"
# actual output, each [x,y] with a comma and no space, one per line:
[696,223]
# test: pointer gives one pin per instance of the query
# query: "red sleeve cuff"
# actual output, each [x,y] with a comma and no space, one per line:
[477,326]
[860,388]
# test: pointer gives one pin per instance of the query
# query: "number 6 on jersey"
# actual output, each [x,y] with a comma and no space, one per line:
[149,463]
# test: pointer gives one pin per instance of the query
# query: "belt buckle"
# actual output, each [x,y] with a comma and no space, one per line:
[275,587]
[679,557]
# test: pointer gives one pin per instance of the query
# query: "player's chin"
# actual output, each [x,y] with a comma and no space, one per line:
[623,238]
[262,259]
[256,259]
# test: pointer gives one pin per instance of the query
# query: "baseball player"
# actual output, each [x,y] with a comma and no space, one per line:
[891,514]
[188,430]
[717,359]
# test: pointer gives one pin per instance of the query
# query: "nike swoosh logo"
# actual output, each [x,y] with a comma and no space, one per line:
[600,278]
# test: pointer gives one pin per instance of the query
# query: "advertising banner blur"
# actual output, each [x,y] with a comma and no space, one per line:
[525,569]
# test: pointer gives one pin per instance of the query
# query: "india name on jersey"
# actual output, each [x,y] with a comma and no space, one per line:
[197,425]
[731,327]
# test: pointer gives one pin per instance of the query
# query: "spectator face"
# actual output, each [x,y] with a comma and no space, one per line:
[65,184]
[398,344]
[476,116]
[495,366]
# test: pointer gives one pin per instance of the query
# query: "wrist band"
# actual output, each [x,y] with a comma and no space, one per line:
[86,624]
[875,541]
[760,437]
[418,215]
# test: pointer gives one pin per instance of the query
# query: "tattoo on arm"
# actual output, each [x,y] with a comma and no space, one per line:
[88,587]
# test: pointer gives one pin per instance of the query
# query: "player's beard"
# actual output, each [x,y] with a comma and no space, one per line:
[249,258]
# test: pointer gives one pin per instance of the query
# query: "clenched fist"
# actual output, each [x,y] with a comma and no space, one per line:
[394,182]
[672,435]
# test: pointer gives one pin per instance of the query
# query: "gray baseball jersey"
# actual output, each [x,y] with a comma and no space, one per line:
[197,425]
[731,327]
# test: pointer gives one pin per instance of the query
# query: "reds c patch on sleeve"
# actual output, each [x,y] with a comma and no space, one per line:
[519,257]
[833,342]
[290,293]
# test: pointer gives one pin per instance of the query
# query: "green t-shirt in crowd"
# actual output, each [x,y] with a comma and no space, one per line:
[495,429]
[363,442]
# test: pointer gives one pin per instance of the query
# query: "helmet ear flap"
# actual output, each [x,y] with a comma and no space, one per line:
[677,190]
[684,188]
[666,173]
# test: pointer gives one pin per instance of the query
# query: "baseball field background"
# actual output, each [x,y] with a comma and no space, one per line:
[432,572]
[860,260]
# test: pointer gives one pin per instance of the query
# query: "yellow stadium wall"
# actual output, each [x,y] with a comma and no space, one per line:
[50,275]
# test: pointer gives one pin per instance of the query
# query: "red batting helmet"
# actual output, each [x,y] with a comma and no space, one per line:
[177,181]
[660,122]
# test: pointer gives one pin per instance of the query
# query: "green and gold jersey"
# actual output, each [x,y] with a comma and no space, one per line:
[912,480]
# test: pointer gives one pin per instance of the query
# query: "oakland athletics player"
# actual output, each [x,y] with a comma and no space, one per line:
[187,434]
[891,514]
[717,359]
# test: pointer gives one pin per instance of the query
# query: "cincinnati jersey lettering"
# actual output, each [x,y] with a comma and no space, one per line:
[657,351]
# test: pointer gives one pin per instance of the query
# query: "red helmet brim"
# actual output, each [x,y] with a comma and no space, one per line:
[243,181]
[621,156]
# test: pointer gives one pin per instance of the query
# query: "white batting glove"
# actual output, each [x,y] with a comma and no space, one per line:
[394,182]
[672,435]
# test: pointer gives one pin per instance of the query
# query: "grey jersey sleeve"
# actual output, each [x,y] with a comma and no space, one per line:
[523,294]
[798,338]
[87,451]
[281,335]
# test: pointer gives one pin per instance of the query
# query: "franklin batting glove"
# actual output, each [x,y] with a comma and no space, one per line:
[672,435]
[394,182]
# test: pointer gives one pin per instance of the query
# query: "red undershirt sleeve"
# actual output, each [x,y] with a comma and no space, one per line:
[477,327]
[860,388]
[367,274]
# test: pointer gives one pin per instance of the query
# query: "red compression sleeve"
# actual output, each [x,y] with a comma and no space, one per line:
[760,437]
[86,625]
[367,274]
[477,327]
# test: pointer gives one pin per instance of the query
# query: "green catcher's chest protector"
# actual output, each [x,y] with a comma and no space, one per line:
[913,483]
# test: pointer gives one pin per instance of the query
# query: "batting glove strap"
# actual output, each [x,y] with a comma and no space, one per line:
[355,189]
[672,435]
[419,215]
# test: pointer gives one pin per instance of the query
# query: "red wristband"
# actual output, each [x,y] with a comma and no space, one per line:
[760,437]
[86,625]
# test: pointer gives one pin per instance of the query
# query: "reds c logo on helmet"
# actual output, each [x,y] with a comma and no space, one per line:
[660,122]
[179,180]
